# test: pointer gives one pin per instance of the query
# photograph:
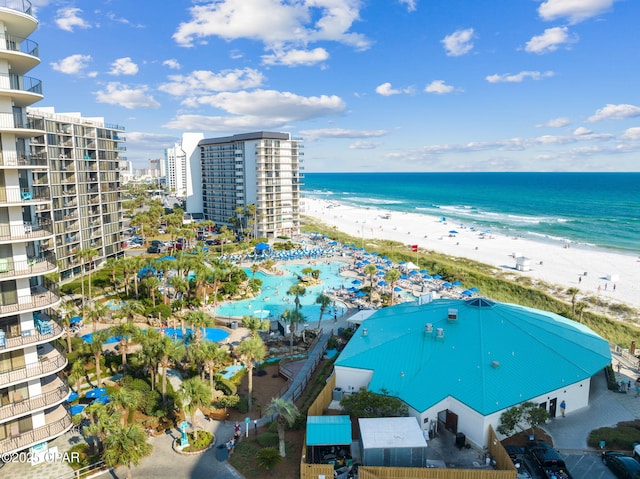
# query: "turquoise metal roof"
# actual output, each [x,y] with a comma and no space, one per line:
[493,356]
[328,430]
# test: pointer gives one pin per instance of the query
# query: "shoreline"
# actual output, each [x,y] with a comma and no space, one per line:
[613,277]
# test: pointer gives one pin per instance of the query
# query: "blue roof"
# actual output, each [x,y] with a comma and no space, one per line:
[493,356]
[328,430]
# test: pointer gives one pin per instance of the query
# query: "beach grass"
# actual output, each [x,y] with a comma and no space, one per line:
[493,283]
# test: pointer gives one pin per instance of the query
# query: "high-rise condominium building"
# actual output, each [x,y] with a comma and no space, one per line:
[176,170]
[261,169]
[32,387]
[85,176]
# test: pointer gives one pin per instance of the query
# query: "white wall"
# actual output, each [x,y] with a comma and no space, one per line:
[194,172]
[351,380]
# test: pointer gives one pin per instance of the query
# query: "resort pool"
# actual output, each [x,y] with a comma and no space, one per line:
[211,334]
[274,300]
[113,305]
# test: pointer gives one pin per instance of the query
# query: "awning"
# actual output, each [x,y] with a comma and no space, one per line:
[328,430]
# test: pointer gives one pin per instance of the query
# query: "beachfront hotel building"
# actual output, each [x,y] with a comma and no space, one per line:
[459,364]
[84,182]
[32,385]
[262,169]
[180,162]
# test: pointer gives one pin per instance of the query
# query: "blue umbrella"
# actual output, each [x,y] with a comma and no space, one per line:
[397,289]
[167,258]
[360,294]
[75,319]
[426,276]
[424,271]
[457,283]
[466,292]
[437,276]
[77,409]
[102,399]
[95,393]
[352,289]
[262,246]
[332,243]
[356,281]
[380,273]
[73,396]
[447,285]
[404,276]
[474,290]
[453,232]
[382,283]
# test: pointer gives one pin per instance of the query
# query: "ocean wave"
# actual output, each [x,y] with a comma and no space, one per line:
[375,201]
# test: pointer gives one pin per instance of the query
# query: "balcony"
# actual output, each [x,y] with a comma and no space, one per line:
[12,122]
[15,194]
[49,363]
[37,265]
[25,90]
[26,231]
[39,298]
[58,421]
[53,393]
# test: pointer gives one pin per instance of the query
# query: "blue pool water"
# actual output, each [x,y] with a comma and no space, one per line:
[211,334]
[113,306]
[274,300]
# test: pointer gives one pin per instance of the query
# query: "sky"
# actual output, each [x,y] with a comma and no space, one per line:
[369,85]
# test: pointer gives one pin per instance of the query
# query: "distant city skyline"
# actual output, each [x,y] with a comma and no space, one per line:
[399,85]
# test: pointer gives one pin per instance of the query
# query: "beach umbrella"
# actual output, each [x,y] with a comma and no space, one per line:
[95,393]
[77,409]
[356,281]
[397,289]
[404,276]
[352,289]
[453,232]
[75,319]
[262,247]
[380,273]
[413,271]
[385,257]
[457,283]
[382,283]
[424,271]
[73,396]
[379,266]
[360,294]
[332,243]
[102,399]
[437,276]
[426,276]
[466,292]
[447,285]
[474,290]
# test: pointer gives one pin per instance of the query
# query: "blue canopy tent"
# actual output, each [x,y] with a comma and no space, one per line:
[77,409]
[95,393]
[262,247]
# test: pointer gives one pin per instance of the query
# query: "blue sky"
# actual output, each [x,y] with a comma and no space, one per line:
[394,85]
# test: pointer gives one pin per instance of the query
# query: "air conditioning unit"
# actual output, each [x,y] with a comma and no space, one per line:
[452,315]
[440,333]
[428,328]
[365,332]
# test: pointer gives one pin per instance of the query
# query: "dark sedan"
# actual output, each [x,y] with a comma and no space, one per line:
[624,467]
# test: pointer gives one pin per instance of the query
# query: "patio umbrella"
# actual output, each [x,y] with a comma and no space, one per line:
[424,271]
[75,319]
[356,281]
[360,294]
[466,292]
[404,276]
[447,285]
[437,276]
[167,258]
[380,273]
[73,396]
[426,276]
[382,283]
[262,246]
[397,289]
[95,393]
[457,283]
[453,232]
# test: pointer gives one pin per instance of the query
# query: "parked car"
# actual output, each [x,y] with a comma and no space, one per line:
[153,249]
[547,459]
[624,467]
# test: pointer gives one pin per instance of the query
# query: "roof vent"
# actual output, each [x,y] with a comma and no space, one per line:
[365,332]
[452,315]
[495,364]
[428,328]
[440,333]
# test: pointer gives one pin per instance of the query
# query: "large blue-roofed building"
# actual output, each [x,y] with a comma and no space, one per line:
[462,363]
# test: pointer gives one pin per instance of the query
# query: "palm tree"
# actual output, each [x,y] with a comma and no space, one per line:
[95,349]
[123,401]
[254,324]
[114,266]
[392,276]
[96,311]
[101,422]
[371,270]
[268,458]
[168,352]
[126,331]
[297,290]
[324,301]
[77,375]
[573,292]
[152,284]
[293,317]
[87,255]
[251,212]
[126,445]
[580,307]
[287,414]
[251,351]
[199,320]
[130,309]
[213,357]
[69,310]
[194,393]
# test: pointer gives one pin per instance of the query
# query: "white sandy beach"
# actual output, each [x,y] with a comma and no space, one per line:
[614,277]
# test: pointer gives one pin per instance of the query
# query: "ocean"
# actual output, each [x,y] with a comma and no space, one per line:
[600,210]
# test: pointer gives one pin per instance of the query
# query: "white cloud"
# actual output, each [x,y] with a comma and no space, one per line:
[123,66]
[581,131]
[615,112]
[556,122]
[116,93]
[172,63]
[312,135]
[518,77]
[273,22]
[69,18]
[296,57]
[550,40]
[574,11]
[631,133]
[411,4]
[385,89]
[274,106]
[439,87]
[72,65]
[364,145]
[204,81]
[458,43]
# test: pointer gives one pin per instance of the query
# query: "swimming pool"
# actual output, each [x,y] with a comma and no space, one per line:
[211,334]
[274,300]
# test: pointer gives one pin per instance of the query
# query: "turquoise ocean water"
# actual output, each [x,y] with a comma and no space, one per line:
[591,209]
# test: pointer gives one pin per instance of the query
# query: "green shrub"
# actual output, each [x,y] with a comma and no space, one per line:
[268,458]
[243,405]
[620,437]
[267,439]
[205,438]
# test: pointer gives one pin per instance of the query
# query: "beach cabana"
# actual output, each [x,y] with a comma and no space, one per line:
[328,439]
